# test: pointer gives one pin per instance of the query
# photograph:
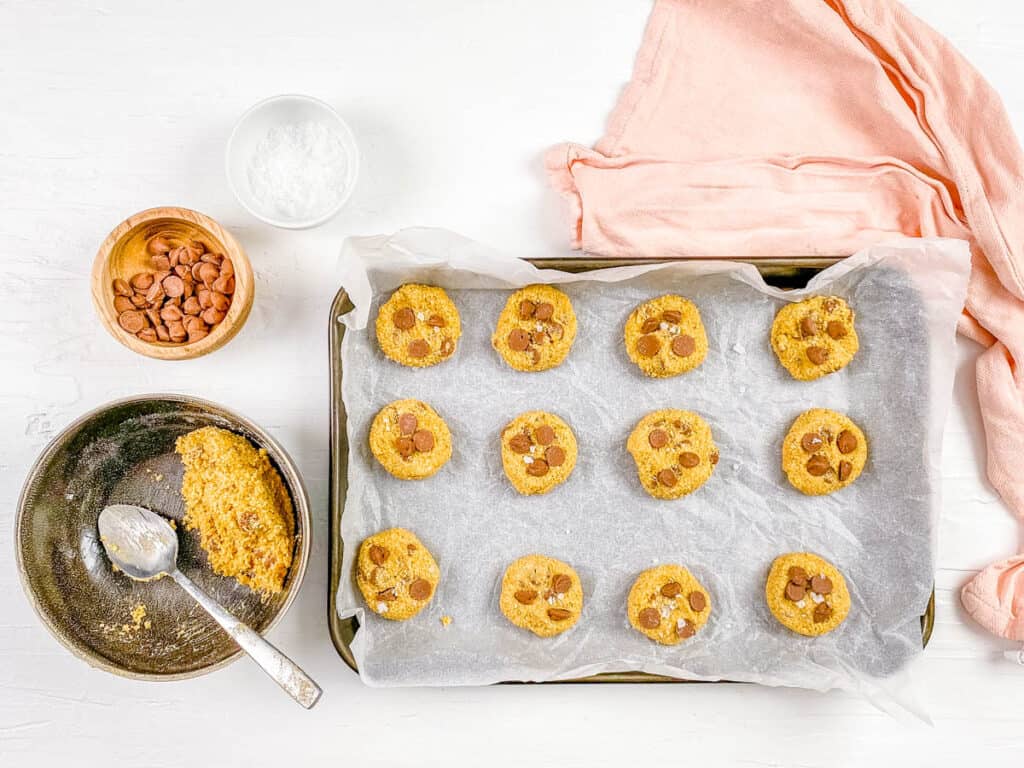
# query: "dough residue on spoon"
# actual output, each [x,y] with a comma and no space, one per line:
[237,502]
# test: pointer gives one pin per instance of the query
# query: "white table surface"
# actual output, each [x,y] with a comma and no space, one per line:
[112,106]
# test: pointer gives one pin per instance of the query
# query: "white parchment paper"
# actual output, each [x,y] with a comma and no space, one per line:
[878,531]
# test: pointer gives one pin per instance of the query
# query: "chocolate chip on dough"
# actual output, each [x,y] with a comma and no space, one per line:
[817,355]
[537,468]
[420,589]
[667,478]
[673,316]
[561,583]
[845,469]
[689,460]
[846,442]
[686,631]
[795,592]
[817,465]
[808,327]
[559,614]
[683,345]
[672,589]
[545,434]
[658,438]
[698,602]
[798,575]
[405,446]
[526,309]
[423,440]
[836,329]
[404,319]
[649,618]
[518,340]
[554,456]
[811,442]
[648,345]
[650,325]
[545,311]
[520,443]
[525,596]
[407,423]
[822,612]
[418,348]
[821,584]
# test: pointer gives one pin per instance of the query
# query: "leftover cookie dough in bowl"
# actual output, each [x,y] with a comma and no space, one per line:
[538,452]
[234,496]
[665,336]
[541,594]
[807,594]
[396,574]
[536,329]
[410,440]
[823,452]
[815,337]
[674,452]
[418,326]
[667,604]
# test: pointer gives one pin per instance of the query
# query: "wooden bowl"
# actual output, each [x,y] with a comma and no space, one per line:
[124,254]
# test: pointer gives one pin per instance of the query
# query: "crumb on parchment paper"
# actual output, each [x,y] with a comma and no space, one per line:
[446,620]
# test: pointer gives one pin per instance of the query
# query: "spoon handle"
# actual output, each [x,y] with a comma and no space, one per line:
[285,672]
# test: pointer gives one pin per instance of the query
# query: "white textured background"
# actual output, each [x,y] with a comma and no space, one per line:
[107,108]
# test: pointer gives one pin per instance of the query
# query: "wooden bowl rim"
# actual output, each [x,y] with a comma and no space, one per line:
[224,331]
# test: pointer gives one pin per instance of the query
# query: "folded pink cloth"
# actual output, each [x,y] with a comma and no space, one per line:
[811,127]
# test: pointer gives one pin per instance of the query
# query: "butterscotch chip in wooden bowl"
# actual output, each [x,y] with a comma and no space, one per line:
[172,284]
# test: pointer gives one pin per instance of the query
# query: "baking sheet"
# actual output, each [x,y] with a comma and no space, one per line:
[878,530]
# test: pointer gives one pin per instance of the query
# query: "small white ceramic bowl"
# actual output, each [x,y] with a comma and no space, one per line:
[254,125]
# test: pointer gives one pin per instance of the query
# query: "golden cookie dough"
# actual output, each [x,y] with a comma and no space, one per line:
[665,337]
[815,336]
[541,594]
[418,326]
[674,452]
[823,452]
[536,328]
[410,440]
[396,574]
[668,604]
[538,451]
[806,593]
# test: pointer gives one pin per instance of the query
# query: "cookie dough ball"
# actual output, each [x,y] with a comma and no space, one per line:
[806,593]
[418,326]
[665,337]
[536,328]
[674,452]
[815,337]
[396,574]
[668,604]
[410,440]
[541,594]
[823,452]
[538,451]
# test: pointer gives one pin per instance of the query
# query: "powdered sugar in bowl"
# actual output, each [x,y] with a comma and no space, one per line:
[292,161]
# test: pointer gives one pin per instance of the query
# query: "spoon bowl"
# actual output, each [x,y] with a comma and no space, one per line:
[139,542]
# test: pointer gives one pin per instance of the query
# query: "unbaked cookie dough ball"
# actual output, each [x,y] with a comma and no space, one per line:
[536,328]
[667,604]
[815,337]
[410,440]
[396,574]
[823,452]
[538,452]
[541,594]
[674,452]
[418,326]
[806,593]
[665,337]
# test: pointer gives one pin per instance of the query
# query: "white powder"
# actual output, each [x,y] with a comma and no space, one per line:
[298,170]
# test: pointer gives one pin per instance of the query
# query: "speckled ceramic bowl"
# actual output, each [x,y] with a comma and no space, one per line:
[124,452]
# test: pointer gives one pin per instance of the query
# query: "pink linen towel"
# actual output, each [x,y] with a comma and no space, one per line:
[811,127]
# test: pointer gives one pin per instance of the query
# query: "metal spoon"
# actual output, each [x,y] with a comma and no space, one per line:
[144,546]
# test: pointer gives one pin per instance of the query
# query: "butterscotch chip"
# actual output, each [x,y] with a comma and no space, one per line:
[671,589]
[554,456]
[518,340]
[846,442]
[405,447]
[686,630]
[447,347]
[418,348]
[649,618]
[648,345]
[808,327]
[526,309]
[545,434]
[817,465]
[822,613]
[795,592]
[559,614]
[387,595]
[698,601]
[845,468]
[537,468]
[683,345]
[650,325]
[173,286]
[561,583]
[811,442]
[423,440]
[420,589]
[132,321]
[520,443]
[817,355]
[658,438]
[378,554]
[689,460]
[436,321]
[667,478]
[121,287]
[407,423]
[821,584]
[797,575]
[672,316]
[526,596]
[545,311]
[836,330]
